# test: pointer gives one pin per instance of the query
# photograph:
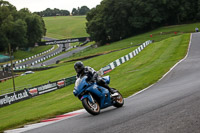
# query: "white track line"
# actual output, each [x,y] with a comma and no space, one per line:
[37,125]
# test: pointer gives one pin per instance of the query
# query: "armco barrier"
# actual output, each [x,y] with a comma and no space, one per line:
[37,61]
[70,80]
[22,60]
[10,98]
[123,59]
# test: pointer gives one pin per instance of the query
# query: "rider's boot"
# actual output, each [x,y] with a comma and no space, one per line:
[111,90]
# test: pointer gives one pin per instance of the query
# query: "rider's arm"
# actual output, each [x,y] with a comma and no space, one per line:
[91,73]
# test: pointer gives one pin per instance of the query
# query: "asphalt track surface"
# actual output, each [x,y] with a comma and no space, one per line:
[54,59]
[172,105]
[47,54]
[28,62]
[59,57]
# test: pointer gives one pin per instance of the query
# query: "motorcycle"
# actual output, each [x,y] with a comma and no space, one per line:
[95,97]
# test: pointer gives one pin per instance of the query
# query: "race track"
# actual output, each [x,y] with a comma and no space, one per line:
[62,56]
[170,106]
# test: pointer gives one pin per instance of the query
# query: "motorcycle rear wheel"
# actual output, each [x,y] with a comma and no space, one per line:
[118,100]
[92,108]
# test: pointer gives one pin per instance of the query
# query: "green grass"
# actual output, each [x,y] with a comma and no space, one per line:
[139,72]
[167,32]
[33,51]
[62,27]
[150,65]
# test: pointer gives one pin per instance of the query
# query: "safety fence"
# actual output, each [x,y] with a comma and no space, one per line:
[26,59]
[18,88]
[41,59]
[37,61]
[123,59]
[27,93]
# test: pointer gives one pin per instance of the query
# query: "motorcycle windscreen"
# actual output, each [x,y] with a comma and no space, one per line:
[106,79]
[79,85]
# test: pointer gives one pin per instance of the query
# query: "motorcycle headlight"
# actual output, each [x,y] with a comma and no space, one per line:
[75,92]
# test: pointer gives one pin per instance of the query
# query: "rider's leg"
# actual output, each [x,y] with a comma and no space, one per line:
[102,83]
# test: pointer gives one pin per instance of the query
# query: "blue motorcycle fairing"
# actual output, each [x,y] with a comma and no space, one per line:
[87,96]
[81,86]
[103,94]
[106,99]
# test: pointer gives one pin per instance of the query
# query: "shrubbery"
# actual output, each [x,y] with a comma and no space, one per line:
[113,20]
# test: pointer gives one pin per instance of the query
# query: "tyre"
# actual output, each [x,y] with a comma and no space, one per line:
[92,108]
[118,101]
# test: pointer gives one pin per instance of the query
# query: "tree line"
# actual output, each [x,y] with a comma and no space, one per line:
[53,12]
[20,29]
[56,12]
[113,20]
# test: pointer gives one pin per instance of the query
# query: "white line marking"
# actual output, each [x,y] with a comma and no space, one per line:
[37,125]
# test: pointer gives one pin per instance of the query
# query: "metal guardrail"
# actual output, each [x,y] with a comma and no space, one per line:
[26,92]
[26,59]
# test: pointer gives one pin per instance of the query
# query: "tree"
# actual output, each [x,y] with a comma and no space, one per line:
[95,26]
[19,31]
[19,28]
[35,29]
[65,13]
[106,24]
[84,10]
[198,10]
[74,12]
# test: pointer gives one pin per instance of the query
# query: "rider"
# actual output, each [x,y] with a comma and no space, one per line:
[81,70]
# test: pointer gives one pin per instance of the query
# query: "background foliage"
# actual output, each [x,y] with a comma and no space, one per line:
[56,12]
[80,11]
[53,12]
[20,28]
[113,20]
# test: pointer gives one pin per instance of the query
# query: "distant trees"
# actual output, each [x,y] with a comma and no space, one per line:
[21,29]
[74,12]
[116,19]
[56,12]
[53,12]
[84,10]
[80,11]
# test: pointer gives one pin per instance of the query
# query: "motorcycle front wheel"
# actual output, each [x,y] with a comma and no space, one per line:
[92,108]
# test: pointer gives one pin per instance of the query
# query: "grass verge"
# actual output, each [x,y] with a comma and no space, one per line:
[21,54]
[62,27]
[33,51]
[157,35]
